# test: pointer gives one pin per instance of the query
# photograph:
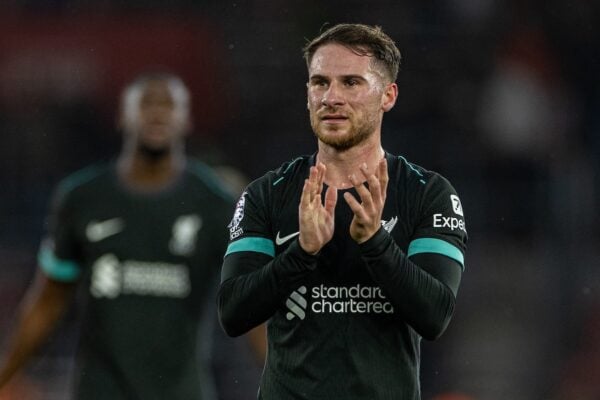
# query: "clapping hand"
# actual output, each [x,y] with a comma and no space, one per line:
[367,212]
[316,219]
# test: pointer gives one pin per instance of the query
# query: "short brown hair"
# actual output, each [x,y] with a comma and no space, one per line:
[363,40]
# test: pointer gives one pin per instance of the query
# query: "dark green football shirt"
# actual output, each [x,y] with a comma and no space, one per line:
[347,323]
[147,262]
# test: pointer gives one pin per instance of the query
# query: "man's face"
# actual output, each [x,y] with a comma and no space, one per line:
[155,116]
[347,96]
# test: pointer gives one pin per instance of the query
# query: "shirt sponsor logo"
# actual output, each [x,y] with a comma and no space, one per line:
[357,299]
[281,240]
[296,304]
[456,205]
[234,226]
[452,223]
[106,277]
[112,278]
[96,231]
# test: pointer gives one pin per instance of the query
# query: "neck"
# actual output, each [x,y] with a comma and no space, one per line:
[142,172]
[341,164]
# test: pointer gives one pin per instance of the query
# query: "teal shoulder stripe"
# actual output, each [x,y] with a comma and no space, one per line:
[430,245]
[411,166]
[61,270]
[256,244]
[79,178]
[287,168]
[292,163]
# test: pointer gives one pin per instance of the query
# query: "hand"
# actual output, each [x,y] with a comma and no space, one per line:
[316,220]
[367,213]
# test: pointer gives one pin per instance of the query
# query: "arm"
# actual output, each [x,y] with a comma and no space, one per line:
[254,284]
[421,288]
[257,337]
[43,305]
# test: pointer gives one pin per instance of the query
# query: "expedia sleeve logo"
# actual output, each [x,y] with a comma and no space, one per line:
[456,206]
[452,223]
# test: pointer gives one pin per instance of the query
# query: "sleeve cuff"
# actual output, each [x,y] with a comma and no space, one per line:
[297,254]
[376,243]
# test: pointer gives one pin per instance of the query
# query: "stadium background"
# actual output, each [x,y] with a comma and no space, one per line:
[501,97]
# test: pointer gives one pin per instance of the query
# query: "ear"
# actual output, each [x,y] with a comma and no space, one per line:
[389,96]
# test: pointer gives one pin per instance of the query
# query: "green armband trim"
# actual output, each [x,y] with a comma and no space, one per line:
[61,270]
[256,244]
[438,246]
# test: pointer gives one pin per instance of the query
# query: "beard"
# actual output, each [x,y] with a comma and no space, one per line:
[356,134]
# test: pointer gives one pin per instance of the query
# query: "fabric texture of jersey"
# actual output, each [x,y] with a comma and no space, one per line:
[336,335]
[146,264]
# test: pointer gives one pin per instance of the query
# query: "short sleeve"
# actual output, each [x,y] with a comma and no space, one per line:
[58,254]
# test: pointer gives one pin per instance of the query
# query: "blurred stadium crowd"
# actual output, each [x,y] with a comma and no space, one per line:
[502,97]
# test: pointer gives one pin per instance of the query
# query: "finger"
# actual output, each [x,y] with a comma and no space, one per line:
[375,190]
[317,200]
[383,177]
[355,206]
[363,192]
[321,169]
[373,181]
[364,169]
[312,183]
[330,199]
[305,196]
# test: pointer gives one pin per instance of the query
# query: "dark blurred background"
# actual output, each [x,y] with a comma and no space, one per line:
[501,97]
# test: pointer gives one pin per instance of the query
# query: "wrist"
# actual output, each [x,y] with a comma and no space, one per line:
[296,251]
[310,250]
[365,238]
[378,239]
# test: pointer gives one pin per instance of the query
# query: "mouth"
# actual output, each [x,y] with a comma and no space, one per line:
[334,118]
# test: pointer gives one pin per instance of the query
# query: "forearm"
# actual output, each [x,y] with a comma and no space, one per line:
[257,338]
[422,300]
[246,300]
[40,311]
[32,330]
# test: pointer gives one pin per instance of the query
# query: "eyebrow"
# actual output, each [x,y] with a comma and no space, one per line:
[317,77]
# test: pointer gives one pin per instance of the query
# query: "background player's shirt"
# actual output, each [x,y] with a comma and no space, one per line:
[146,262]
[336,334]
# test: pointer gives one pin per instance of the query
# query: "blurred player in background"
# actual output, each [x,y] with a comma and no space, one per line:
[348,287]
[142,241]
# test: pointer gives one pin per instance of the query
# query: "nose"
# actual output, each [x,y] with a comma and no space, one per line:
[333,96]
